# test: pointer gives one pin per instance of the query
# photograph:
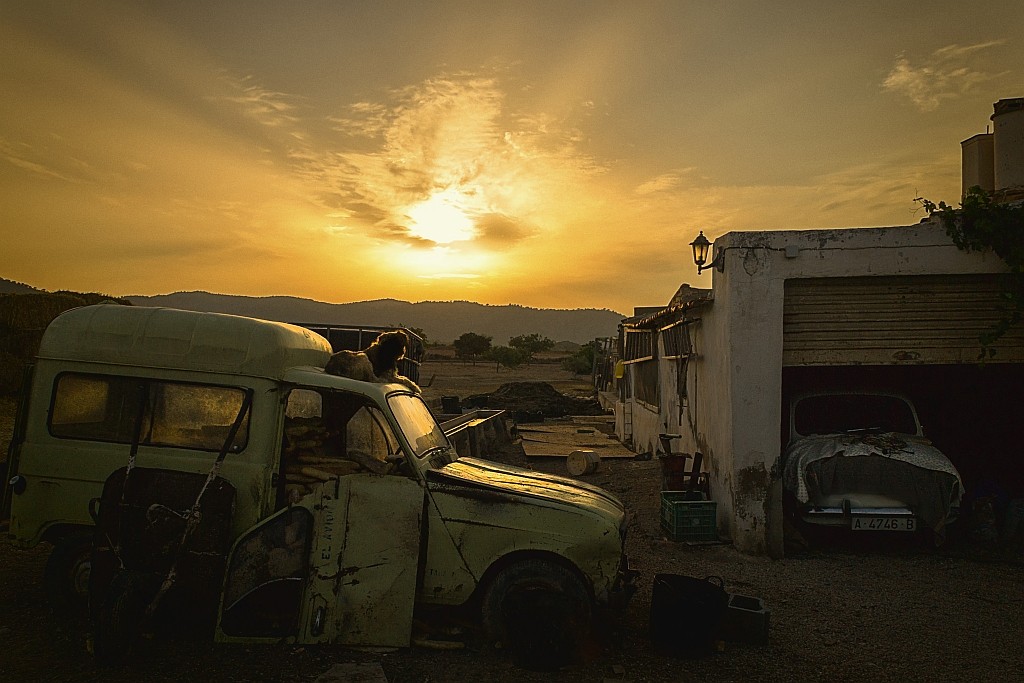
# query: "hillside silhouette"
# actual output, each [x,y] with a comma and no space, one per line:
[442,321]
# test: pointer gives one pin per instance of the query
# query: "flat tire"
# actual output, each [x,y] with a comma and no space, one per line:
[66,575]
[540,611]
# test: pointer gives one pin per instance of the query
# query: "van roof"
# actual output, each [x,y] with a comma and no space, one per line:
[185,340]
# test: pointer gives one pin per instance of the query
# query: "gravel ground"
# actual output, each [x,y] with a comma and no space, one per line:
[872,612]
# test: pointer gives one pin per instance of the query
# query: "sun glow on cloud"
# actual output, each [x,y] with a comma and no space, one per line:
[442,263]
[944,75]
[440,219]
[465,185]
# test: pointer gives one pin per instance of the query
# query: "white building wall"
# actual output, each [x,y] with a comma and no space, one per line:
[668,412]
[646,427]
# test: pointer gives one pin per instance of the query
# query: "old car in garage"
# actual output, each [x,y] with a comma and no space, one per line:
[859,460]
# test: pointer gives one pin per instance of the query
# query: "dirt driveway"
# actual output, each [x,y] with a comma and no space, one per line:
[893,612]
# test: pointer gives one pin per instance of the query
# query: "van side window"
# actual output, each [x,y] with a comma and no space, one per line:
[193,416]
[332,435]
[182,415]
[368,432]
[303,403]
[94,407]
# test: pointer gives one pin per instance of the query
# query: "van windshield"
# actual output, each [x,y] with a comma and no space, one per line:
[420,427]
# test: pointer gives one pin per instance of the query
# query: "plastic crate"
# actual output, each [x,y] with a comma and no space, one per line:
[686,519]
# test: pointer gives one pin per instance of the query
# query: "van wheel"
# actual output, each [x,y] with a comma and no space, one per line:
[118,622]
[539,611]
[66,575]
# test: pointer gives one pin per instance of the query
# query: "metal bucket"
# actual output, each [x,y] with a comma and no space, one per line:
[582,462]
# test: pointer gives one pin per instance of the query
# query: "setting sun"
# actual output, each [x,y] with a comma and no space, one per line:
[440,220]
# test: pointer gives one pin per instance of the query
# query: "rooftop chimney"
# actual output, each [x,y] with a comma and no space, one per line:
[1008,144]
[978,163]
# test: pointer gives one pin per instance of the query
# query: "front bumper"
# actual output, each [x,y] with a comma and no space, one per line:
[623,588]
[845,516]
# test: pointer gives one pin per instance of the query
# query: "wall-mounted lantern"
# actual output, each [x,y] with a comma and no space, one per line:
[701,247]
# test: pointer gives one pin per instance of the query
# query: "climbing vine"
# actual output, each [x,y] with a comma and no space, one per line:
[982,223]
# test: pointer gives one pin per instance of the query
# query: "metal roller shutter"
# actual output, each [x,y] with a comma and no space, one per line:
[893,320]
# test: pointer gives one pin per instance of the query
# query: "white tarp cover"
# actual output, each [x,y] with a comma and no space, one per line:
[913,450]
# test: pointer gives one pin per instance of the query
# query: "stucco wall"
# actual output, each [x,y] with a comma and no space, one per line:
[646,427]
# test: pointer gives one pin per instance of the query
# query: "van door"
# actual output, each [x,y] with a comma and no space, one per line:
[365,563]
[338,566]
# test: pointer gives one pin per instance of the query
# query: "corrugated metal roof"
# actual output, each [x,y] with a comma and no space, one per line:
[672,313]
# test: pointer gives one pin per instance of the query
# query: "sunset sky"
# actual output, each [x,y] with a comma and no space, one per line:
[550,154]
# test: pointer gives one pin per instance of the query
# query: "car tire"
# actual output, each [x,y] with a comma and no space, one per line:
[66,575]
[118,622]
[539,611]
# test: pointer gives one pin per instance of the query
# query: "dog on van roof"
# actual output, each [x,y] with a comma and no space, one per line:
[376,363]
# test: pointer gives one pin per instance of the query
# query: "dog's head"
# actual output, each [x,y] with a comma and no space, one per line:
[392,344]
[386,350]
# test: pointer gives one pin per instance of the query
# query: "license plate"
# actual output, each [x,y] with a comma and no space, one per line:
[883,524]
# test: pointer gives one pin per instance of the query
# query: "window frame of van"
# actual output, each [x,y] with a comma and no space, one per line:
[146,384]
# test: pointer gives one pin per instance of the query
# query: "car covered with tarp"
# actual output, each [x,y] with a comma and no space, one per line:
[860,460]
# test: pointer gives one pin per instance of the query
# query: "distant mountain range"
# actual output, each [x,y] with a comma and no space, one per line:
[441,321]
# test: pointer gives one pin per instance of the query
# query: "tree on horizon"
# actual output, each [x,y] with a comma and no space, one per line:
[472,345]
[530,344]
[510,357]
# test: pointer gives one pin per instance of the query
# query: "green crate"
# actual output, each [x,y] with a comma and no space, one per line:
[685,519]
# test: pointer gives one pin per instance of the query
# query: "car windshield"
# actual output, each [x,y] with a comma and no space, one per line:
[419,426]
[845,413]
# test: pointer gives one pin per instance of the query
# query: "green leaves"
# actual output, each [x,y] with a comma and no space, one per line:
[982,223]
[472,345]
[508,356]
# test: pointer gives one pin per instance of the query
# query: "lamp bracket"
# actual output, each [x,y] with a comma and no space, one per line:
[718,262]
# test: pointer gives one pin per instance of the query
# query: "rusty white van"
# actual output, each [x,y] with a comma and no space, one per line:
[170,453]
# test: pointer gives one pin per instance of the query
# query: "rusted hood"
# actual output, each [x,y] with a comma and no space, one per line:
[517,481]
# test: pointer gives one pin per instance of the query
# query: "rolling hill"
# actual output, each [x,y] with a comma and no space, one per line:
[442,321]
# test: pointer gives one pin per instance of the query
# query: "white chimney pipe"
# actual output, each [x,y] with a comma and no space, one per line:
[1008,143]
[978,164]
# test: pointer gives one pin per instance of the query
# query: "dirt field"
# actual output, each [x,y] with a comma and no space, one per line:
[876,612]
[460,379]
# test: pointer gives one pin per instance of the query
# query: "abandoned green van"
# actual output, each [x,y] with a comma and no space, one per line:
[211,456]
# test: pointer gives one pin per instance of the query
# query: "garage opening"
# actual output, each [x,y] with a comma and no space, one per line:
[972,413]
[917,335]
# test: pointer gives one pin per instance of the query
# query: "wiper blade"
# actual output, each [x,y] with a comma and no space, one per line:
[864,430]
